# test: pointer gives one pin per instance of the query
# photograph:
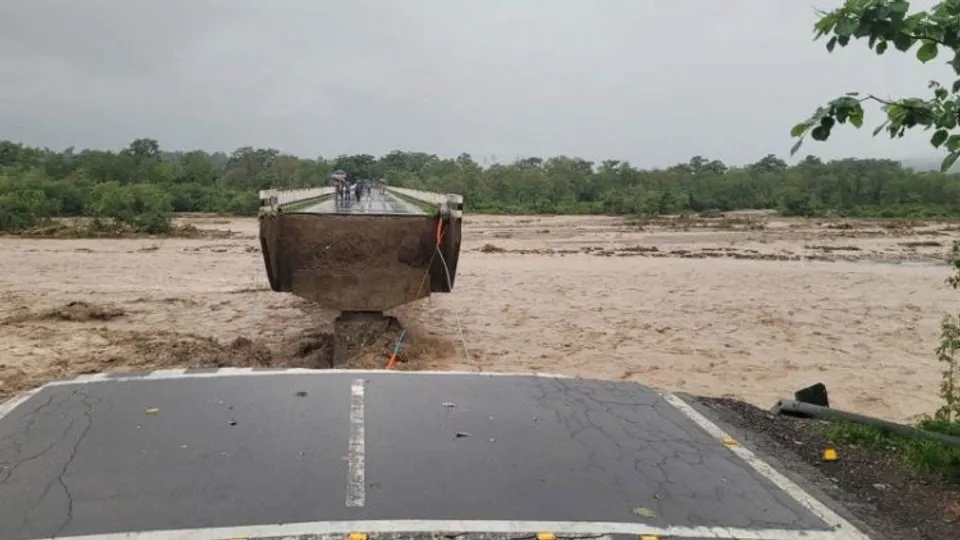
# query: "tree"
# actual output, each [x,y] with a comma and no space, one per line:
[108,184]
[881,23]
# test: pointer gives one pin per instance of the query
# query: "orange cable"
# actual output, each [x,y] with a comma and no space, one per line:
[440,232]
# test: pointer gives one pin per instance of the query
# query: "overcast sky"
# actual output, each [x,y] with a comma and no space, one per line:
[650,81]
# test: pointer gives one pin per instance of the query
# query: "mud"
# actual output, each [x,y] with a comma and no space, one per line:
[726,306]
[109,347]
[77,311]
[350,263]
[355,330]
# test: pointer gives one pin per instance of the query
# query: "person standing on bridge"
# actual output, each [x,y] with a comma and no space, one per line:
[339,179]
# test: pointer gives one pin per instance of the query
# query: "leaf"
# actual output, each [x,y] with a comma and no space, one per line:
[845,27]
[799,129]
[832,44]
[927,52]
[939,137]
[955,63]
[880,127]
[896,112]
[856,117]
[899,7]
[956,86]
[644,512]
[795,147]
[953,143]
[903,43]
[949,161]
[948,119]
[881,47]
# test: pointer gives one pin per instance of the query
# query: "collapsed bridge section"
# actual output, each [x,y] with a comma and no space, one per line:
[360,255]
[384,251]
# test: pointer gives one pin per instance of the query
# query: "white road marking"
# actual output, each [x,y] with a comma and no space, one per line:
[251,372]
[559,528]
[356,458]
[90,377]
[844,529]
[8,406]
[163,374]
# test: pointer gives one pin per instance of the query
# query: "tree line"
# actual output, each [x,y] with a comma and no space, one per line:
[142,186]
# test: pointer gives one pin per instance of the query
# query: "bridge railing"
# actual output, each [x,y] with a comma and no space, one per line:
[451,200]
[283,197]
[275,198]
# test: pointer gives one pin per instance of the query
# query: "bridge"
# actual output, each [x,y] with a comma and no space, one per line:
[360,257]
[395,201]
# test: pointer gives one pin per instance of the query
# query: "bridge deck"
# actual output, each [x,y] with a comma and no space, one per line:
[375,203]
[280,453]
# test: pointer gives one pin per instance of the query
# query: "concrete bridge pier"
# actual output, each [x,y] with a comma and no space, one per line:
[354,330]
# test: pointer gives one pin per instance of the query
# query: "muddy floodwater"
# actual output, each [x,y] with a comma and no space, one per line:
[748,306]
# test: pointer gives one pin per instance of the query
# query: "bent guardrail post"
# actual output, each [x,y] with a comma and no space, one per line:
[792,407]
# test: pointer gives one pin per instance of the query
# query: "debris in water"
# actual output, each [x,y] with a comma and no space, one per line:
[301,394]
[152,410]
[449,404]
[462,434]
[232,422]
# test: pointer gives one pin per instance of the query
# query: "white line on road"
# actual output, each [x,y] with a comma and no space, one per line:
[8,406]
[356,458]
[162,374]
[844,529]
[330,529]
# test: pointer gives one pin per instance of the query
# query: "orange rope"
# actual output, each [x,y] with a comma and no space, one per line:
[392,362]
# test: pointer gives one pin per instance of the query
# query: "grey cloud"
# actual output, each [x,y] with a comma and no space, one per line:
[102,38]
[651,81]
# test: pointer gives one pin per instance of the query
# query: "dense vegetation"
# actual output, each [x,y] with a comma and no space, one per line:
[141,185]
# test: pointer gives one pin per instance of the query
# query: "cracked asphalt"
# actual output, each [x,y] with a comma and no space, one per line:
[185,453]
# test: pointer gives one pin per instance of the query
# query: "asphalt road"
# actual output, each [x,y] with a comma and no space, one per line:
[375,203]
[291,453]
